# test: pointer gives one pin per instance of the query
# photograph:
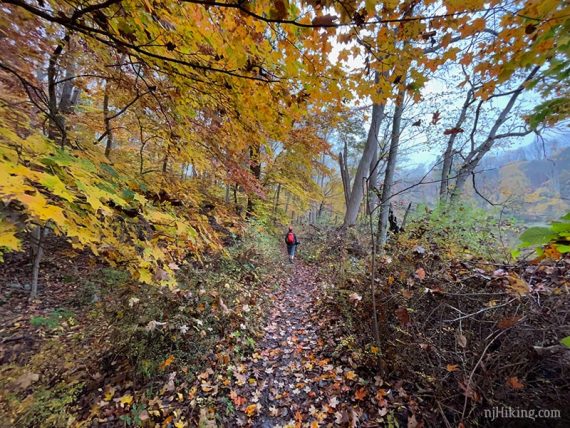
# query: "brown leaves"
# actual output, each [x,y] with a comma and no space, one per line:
[453,131]
[508,322]
[324,20]
[435,118]
[461,340]
[403,316]
[421,273]
[530,28]
[517,285]
[280,9]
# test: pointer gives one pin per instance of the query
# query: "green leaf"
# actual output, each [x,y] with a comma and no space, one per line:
[561,227]
[566,341]
[536,236]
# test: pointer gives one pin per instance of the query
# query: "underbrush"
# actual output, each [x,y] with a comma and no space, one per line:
[118,353]
[460,333]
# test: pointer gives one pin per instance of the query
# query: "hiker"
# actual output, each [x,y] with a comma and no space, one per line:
[292,242]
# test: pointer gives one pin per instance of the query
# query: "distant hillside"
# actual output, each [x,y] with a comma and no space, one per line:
[532,181]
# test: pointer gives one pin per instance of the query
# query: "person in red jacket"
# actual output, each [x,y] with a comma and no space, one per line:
[292,242]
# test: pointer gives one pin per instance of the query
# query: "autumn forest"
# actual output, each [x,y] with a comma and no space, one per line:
[286,213]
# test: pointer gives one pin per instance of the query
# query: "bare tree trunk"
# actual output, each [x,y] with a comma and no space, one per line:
[357,193]
[390,169]
[373,180]
[236,204]
[165,164]
[38,237]
[255,168]
[448,154]
[287,202]
[344,174]
[402,227]
[476,154]
[227,196]
[106,118]
[56,127]
[277,195]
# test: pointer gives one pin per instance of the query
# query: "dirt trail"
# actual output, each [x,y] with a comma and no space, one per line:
[290,381]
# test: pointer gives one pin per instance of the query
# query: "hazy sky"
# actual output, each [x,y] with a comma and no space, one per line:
[444,95]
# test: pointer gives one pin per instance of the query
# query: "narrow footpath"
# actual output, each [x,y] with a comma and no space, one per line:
[290,381]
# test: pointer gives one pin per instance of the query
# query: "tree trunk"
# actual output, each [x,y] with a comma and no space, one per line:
[476,154]
[227,196]
[405,219]
[277,195]
[106,118]
[357,193]
[255,168]
[38,236]
[56,127]
[344,178]
[448,154]
[287,202]
[390,169]
[373,181]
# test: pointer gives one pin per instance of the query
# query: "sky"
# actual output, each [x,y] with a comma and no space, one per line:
[420,151]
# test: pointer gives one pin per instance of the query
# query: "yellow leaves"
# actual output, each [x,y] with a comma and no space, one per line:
[109,393]
[53,183]
[8,238]
[350,375]
[145,276]
[126,399]
[251,410]
[458,5]
[38,206]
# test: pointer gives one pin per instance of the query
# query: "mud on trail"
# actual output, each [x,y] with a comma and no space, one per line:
[290,380]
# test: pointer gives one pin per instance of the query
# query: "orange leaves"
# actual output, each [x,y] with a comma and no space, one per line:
[381,397]
[251,410]
[552,252]
[508,322]
[514,383]
[421,273]
[236,399]
[452,367]
[167,362]
[360,394]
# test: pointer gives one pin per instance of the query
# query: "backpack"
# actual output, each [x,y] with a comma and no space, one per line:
[290,238]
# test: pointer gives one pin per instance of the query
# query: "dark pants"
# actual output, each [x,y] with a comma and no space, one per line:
[291,250]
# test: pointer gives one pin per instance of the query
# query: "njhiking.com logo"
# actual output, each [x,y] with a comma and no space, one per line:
[513,413]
